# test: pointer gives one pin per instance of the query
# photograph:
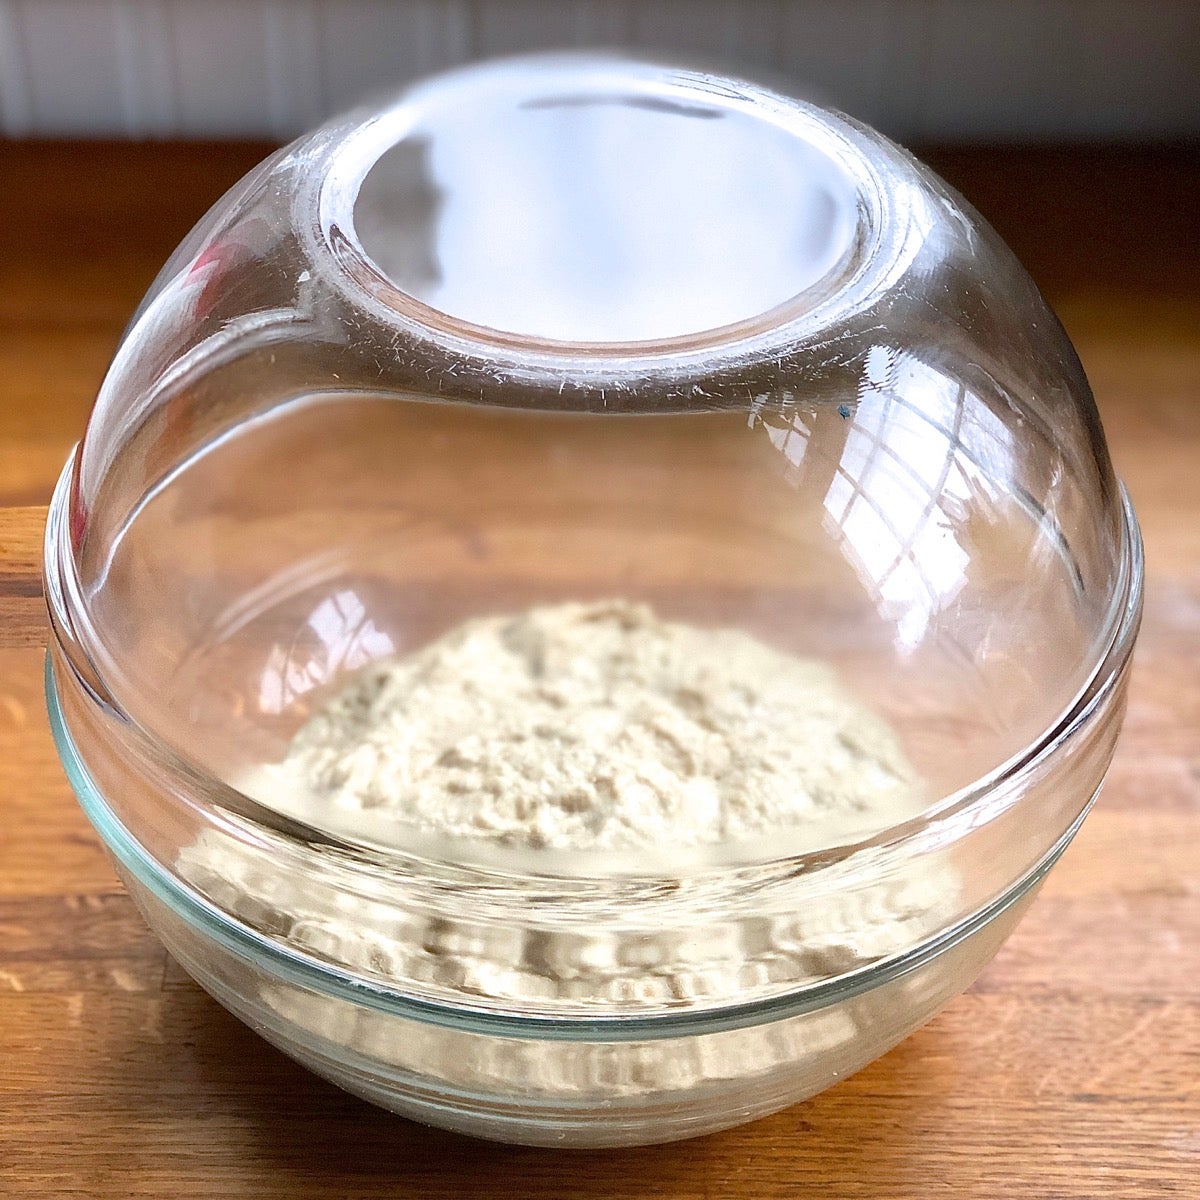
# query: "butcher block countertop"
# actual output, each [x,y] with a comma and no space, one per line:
[1070,1069]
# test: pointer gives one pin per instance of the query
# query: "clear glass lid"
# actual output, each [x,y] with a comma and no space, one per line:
[580,329]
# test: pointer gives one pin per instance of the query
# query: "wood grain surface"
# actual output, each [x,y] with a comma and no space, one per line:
[1070,1069]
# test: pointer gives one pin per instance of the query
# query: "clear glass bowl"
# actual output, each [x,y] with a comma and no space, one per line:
[577,328]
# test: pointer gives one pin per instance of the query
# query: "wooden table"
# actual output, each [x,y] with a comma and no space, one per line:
[1071,1068]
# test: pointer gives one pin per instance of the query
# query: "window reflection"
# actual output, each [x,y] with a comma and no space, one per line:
[921,452]
[337,636]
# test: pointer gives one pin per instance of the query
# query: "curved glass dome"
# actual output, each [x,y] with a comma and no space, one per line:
[586,329]
[572,328]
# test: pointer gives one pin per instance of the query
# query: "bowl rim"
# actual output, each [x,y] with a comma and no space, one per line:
[892,219]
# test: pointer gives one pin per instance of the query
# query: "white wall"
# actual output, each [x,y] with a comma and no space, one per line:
[919,69]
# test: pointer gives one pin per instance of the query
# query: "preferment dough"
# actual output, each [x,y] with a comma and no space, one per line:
[584,726]
[593,726]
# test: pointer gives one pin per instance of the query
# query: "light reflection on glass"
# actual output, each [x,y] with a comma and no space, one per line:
[595,216]
[338,636]
[920,456]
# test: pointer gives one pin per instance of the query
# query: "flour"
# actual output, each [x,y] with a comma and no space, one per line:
[573,727]
[593,727]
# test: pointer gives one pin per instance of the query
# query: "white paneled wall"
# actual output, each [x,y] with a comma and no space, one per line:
[917,68]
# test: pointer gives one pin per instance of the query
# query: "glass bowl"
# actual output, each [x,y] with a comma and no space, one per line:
[580,329]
